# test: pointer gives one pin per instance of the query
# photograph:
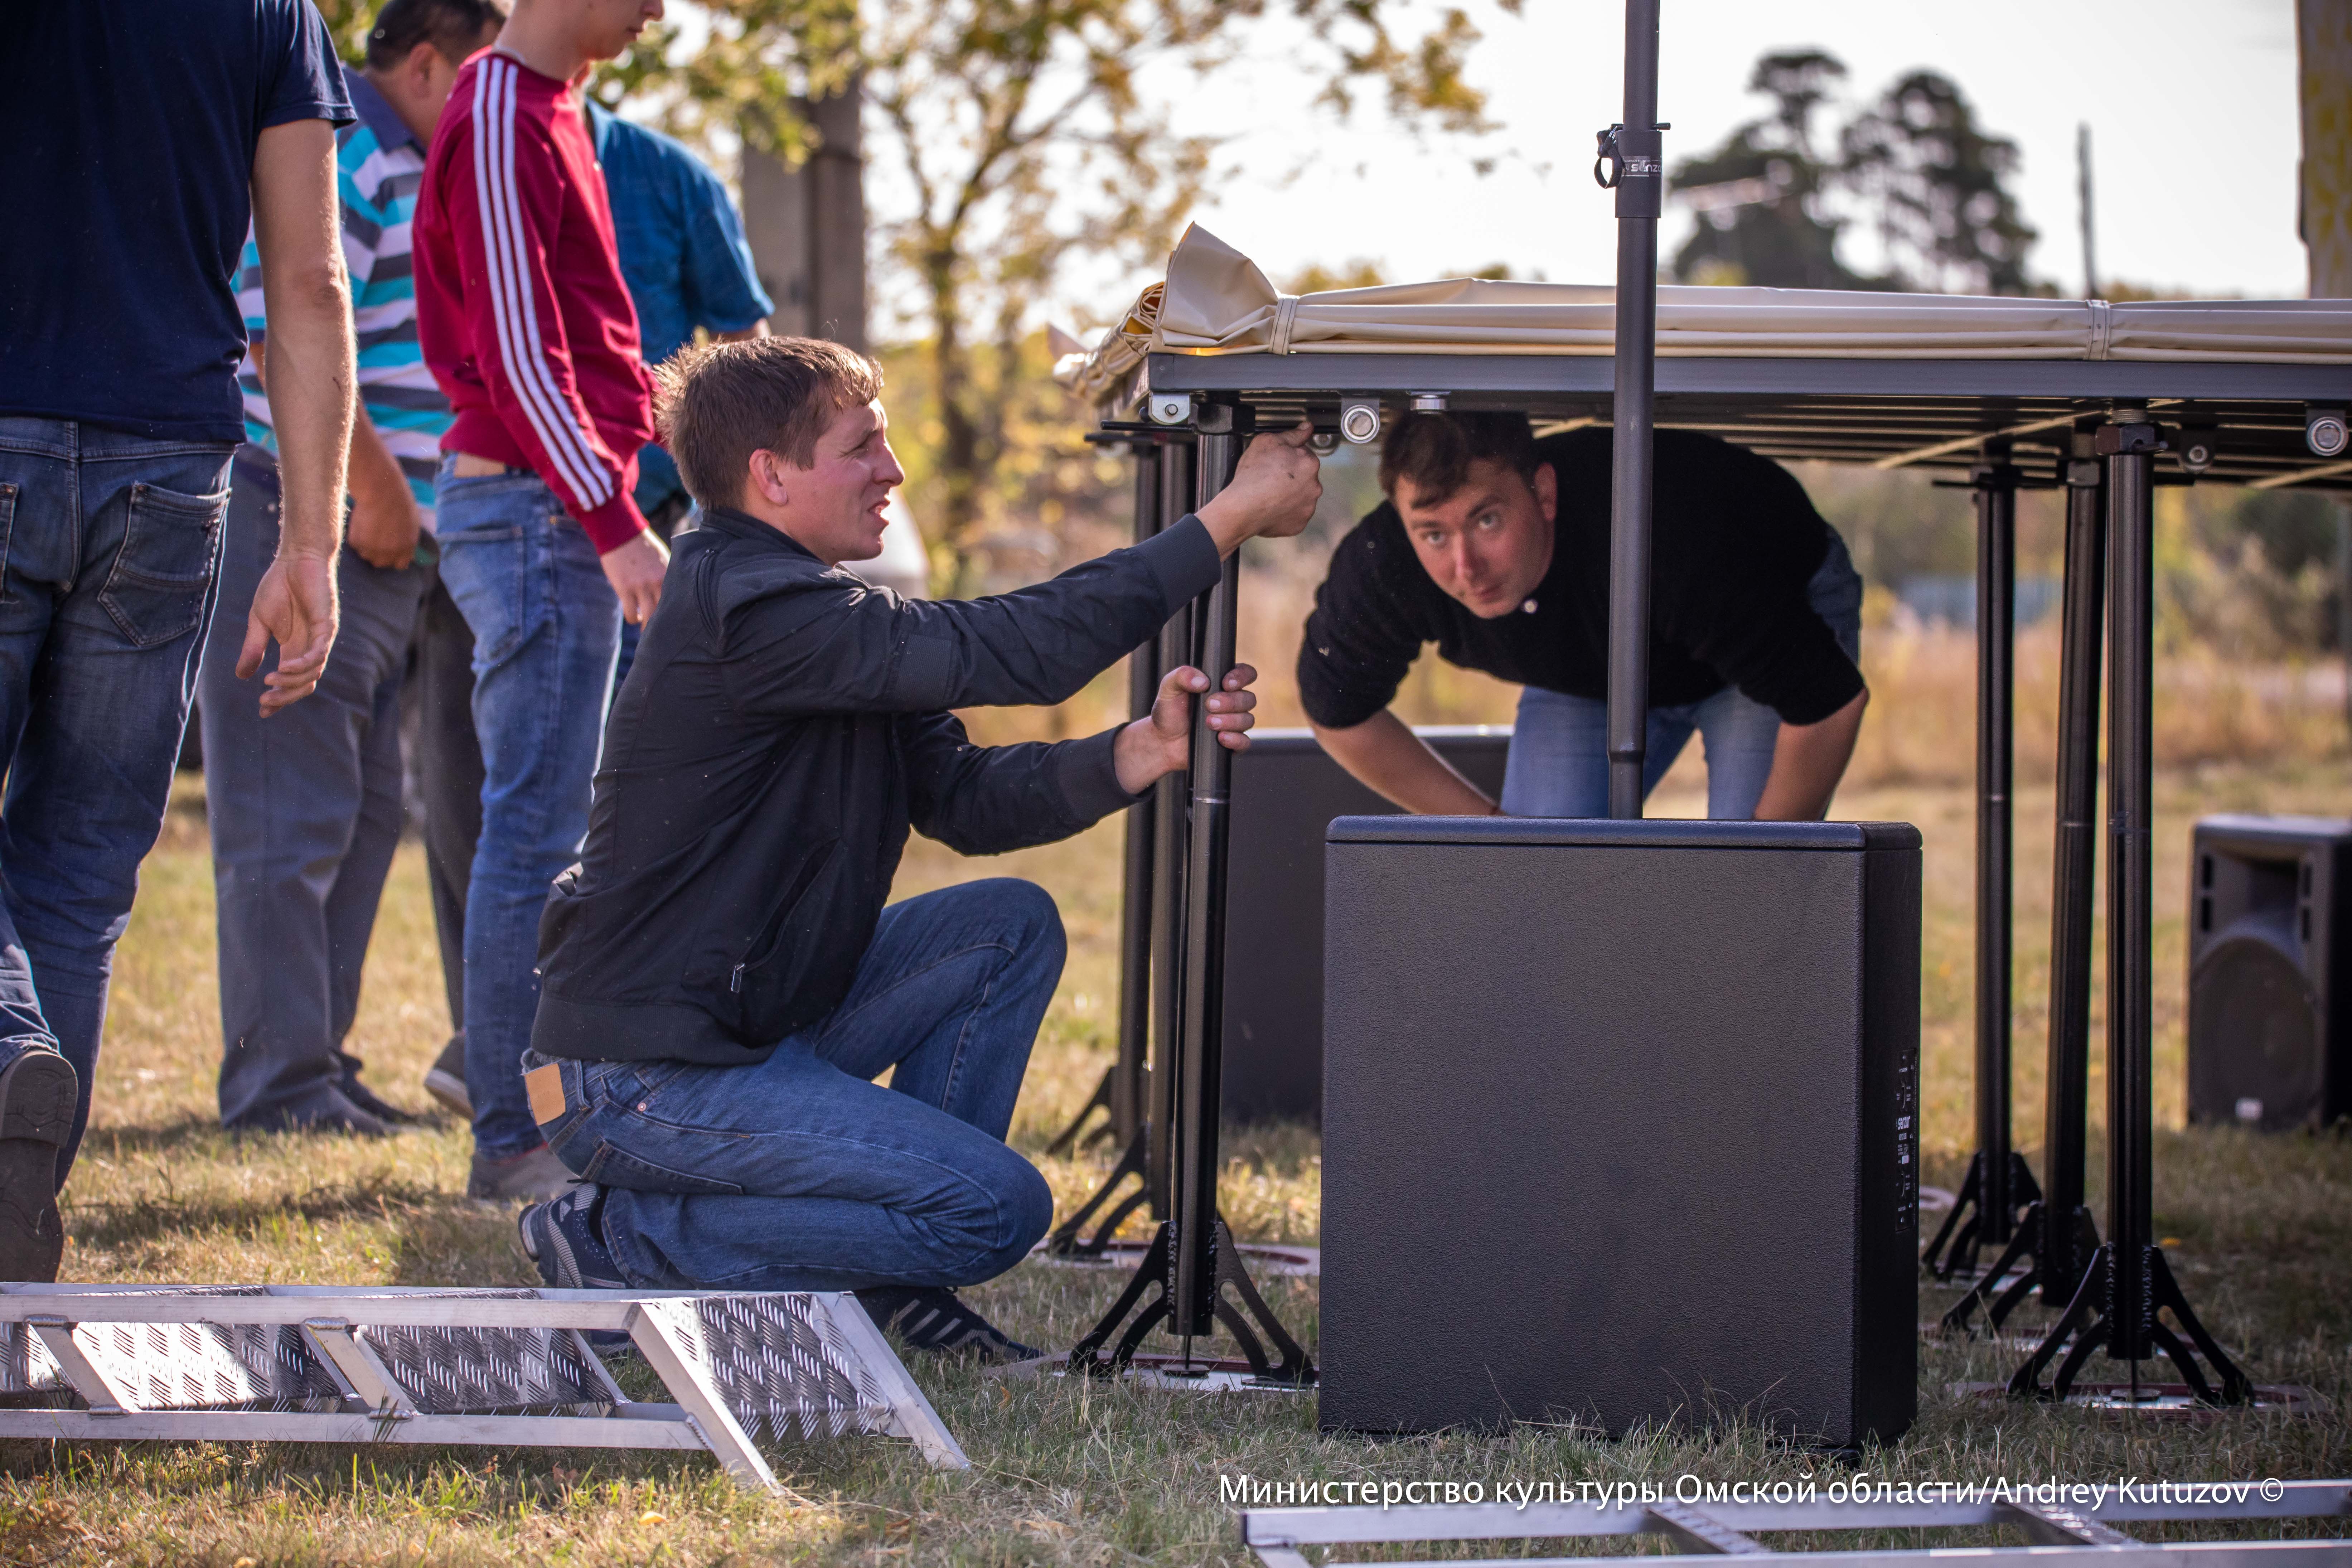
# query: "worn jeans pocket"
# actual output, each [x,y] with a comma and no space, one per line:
[163,573]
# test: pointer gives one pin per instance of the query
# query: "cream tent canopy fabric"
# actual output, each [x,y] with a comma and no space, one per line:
[1216,301]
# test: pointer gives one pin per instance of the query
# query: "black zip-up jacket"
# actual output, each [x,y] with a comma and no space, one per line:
[782,729]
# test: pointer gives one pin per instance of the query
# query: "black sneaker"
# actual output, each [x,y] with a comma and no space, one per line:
[445,1080]
[367,1100]
[324,1108]
[561,1236]
[37,1107]
[933,1318]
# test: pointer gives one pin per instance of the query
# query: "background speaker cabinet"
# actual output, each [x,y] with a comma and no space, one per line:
[1620,1124]
[1285,792]
[2270,971]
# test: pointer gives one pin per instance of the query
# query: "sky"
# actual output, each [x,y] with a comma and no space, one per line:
[2191,109]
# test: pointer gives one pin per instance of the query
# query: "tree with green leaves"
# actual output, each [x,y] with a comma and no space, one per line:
[1011,139]
[1762,197]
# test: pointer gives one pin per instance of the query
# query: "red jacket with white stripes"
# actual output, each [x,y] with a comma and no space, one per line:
[520,308]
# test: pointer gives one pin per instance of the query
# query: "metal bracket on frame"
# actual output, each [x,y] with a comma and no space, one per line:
[1281,1537]
[503,1367]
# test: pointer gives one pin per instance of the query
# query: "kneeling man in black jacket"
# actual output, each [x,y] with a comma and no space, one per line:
[721,981]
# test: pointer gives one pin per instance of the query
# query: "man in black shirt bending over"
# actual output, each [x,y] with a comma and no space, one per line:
[1495,546]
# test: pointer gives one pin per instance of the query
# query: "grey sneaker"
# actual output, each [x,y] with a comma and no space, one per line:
[445,1080]
[37,1107]
[532,1176]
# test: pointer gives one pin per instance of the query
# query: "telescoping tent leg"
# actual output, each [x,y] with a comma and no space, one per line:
[1998,1179]
[1162,494]
[2126,1283]
[2057,1233]
[1635,150]
[1120,1094]
[1192,1261]
[2068,1235]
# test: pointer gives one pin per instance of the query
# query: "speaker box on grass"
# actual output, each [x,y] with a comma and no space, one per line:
[2270,971]
[1286,791]
[1620,1124]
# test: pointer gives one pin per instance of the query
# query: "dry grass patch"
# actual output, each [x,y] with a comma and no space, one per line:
[1065,1473]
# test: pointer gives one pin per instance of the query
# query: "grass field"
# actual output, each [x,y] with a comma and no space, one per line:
[2259,1229]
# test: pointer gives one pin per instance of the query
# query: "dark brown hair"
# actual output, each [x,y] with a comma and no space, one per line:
[720,403]
[1435,451]
[453,28]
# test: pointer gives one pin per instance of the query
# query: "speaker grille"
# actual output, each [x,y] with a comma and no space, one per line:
[2254,1037]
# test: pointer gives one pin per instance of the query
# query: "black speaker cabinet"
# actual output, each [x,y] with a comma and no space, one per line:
[1286,791]
[1620,1124]
[2270,971]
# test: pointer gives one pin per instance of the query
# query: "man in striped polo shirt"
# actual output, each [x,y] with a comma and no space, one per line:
[305,807]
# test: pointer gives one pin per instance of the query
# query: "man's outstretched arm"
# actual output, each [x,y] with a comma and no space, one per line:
[858,652]
[1808,760]
[985,800]
[311,375]
[1386,757]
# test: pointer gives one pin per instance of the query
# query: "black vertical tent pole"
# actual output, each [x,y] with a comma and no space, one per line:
[1143,675]
[1995,485]
[1170,849]
[2130,443]
[1636,149]
[2066,1107]
[2126,1282]
[1200,1059]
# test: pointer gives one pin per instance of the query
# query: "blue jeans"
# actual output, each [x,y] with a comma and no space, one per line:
[1558,763]
[546,627]
[305,813]
[798,1172]
[111,544]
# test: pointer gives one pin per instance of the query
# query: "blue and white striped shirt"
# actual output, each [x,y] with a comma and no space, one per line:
[379,165]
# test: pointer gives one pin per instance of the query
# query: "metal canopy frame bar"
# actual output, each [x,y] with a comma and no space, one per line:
[2014,382]
[1279,1536]
[333,1364]
[1887,413]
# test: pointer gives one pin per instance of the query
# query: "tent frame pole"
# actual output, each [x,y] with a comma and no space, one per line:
[1151,910]
[2126,1283]
[1192,1260]
[2057,1234]
[1635,150]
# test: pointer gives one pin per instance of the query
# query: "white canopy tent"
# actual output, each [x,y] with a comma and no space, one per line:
[1881,377]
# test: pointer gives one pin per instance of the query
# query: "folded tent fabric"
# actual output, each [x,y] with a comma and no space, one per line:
[1216,300]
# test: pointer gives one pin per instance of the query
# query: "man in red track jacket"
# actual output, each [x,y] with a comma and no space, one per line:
[529,330]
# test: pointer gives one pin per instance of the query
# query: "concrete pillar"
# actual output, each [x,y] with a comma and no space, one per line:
[2324,55]
[807,227]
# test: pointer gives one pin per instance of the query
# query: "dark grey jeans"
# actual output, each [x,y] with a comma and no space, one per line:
[305,813]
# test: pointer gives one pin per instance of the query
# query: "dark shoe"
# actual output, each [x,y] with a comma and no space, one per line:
[561,1236]
[37,1107]
[530,1176]
[323,1109]
[367,1100]
[933,1318]
[445,1080]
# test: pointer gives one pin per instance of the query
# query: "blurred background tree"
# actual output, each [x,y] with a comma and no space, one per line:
[1762,197]
[1936,184]
[1776,199]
